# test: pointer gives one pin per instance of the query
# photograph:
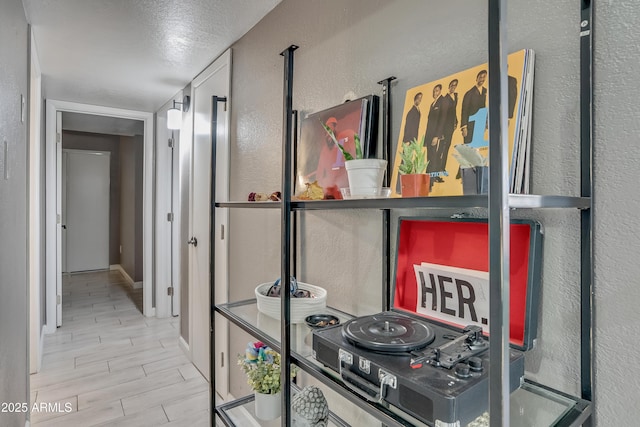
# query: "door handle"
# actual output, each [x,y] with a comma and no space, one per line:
[64,227]
[193,241]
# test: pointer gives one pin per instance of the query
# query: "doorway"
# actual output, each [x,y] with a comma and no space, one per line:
[53,160]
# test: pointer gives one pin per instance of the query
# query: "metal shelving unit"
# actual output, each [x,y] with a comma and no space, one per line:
[535,402]
[532,400]
[515,201]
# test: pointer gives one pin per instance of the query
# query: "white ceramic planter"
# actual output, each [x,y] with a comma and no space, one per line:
[365,175]
[267,406]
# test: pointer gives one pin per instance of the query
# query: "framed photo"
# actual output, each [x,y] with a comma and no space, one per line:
[319,159]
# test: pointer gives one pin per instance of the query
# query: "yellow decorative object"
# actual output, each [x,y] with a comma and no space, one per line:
[312,192]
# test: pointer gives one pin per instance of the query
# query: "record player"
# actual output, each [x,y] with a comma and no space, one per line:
[429,354]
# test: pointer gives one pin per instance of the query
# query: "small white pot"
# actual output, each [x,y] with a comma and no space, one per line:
[267,406]
[365,175]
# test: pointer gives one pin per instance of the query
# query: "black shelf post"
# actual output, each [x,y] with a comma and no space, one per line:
[498,217]
[285,266]
[294,218]
[586,186]
[212,235]
[386,214]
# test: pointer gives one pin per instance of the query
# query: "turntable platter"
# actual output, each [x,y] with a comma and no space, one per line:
[388,332]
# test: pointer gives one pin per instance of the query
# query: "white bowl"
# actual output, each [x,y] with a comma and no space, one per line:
[300,307]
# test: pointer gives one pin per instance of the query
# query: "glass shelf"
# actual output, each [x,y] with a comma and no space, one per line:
[532,405]
[516,201]
[241,412]
[246,315]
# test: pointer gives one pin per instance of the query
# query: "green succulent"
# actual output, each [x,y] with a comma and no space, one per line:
[414,159]
[345,153]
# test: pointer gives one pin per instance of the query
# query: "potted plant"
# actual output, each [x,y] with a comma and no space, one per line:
[365,175]
[413,177]
[262,366]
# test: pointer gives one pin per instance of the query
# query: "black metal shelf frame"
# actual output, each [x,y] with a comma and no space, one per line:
[516,201]
[498,202]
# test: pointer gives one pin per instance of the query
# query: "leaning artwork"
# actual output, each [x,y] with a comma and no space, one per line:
[452,111]
[318,158]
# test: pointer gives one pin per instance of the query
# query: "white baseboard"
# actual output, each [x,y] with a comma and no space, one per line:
[50,327]
[118,267]
[184,346]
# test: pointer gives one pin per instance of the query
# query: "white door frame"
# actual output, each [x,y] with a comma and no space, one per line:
[53,243]
[167,234]
[36,262]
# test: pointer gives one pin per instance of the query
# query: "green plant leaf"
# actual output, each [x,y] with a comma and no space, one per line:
[345,153]
[358,146]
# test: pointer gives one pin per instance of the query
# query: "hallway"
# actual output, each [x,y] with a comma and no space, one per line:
[108,365]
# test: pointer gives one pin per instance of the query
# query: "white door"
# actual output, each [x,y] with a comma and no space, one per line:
[215,80]
[86,210]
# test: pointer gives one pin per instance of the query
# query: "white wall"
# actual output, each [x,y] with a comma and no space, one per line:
[131,258]
[616,160]
[14,306]
[349,46]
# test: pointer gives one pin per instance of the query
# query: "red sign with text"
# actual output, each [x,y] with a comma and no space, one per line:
[442,273]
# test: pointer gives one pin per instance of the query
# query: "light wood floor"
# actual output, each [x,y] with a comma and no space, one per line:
[107,365]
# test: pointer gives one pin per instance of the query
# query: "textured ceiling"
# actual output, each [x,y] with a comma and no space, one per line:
[133,54]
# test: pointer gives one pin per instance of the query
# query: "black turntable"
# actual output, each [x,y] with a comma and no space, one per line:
[416,358]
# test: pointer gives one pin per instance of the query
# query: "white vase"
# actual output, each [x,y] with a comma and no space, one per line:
[365,176]
[267,406]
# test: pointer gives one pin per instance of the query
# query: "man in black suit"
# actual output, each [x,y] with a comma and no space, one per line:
[450,122]
[473,100]
[412,121]
[434,133]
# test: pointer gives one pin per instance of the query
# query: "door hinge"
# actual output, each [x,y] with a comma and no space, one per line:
[222,359]
[58,299]
[170,217]
[58,138]
[23,104]
[170,142]
[221,231]
[170,291]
